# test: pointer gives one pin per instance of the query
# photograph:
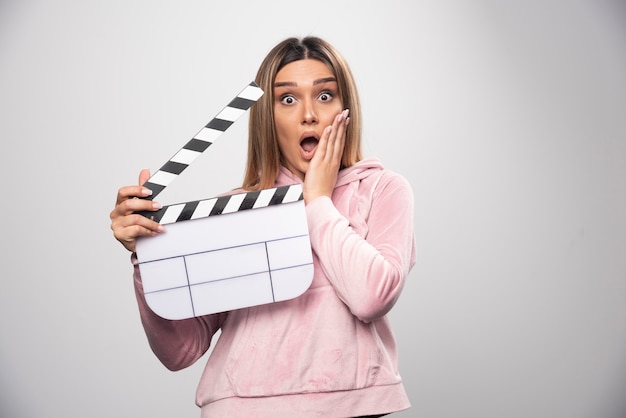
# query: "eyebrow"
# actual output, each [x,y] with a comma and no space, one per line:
[294,84]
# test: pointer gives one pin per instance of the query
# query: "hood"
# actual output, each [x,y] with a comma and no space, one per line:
[359,171]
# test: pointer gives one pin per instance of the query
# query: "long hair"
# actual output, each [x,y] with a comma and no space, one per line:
[264,159]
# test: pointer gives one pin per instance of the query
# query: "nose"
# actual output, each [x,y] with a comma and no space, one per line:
[309,114]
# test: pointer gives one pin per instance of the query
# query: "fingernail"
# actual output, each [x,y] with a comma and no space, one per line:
[156,205]
[161,228]
[146,192]
[346,113]
[328,129]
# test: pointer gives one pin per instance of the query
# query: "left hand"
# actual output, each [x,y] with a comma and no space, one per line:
[321,176]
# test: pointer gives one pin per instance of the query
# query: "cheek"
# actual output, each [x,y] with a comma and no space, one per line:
[282,134]
[331,113]
[281,121]
[285,127]
[279,126]
[282,137]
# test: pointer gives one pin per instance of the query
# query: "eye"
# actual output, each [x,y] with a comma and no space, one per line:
[326,96]
[287,100]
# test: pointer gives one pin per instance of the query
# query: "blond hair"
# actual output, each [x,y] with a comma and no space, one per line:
[264,158]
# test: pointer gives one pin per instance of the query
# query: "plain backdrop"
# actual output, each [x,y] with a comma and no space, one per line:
[507,117]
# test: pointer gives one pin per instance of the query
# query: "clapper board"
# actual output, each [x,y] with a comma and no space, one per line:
[227,252]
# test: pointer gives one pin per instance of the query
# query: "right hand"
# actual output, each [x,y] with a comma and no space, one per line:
[125,223]
[321,175]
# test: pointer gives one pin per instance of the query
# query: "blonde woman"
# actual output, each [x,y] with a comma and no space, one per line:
[329,352]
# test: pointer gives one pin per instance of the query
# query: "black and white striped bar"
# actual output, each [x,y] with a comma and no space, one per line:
[203,139]
[226,204]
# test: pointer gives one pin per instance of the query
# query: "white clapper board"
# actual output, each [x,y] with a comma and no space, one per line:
[228,252]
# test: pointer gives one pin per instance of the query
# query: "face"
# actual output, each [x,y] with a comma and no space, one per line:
[306,100]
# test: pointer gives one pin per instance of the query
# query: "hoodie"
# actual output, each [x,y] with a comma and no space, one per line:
[329,352]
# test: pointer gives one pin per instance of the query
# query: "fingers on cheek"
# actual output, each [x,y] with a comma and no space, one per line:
[328,131]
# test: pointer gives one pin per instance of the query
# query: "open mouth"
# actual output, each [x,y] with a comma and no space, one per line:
[309,144]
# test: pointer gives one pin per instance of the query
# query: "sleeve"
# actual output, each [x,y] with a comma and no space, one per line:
[367,273]
[177,344]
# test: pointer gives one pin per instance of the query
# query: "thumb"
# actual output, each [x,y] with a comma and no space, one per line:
[144,175]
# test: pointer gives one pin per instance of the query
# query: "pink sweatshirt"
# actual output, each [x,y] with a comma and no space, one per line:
[329,352]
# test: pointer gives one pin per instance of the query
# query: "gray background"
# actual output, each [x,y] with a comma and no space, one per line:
[506,117]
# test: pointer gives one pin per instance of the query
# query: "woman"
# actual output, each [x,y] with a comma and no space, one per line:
[329,352]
